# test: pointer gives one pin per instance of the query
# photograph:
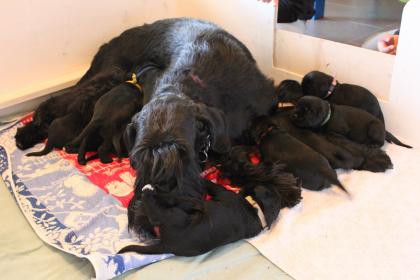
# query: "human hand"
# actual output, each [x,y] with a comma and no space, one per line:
[388,44]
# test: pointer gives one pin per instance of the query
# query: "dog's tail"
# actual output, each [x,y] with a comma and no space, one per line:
[390,138]
[337,183]
[158,248]
[331,176]
[47,149]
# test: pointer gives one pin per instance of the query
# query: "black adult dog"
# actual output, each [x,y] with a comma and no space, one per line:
[357,125]
[204,101]
[327,87]
[190,228]
[275,144]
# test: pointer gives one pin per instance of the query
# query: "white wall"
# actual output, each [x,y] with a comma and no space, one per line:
[48,45]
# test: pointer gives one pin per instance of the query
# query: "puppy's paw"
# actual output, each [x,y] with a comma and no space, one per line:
[292,197]
[377,162]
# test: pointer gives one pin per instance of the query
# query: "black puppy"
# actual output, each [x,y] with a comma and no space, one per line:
[112,113]
[37,130]
[327,87]
[276,145]
[374,159]
[289,91]
[337,156]
[340,152]
[227,217]
[355,124]
[60,132]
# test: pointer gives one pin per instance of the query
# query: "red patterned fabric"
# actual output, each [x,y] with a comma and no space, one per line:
[117,178]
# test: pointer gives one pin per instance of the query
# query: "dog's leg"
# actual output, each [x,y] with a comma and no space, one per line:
[81,159]
[104,150]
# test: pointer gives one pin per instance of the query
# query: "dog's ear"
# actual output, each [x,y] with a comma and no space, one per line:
[129,136]
[216,121]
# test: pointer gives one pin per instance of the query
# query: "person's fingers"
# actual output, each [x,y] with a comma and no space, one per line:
[386,49]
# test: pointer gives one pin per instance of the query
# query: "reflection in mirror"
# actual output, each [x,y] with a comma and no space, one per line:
[372,24]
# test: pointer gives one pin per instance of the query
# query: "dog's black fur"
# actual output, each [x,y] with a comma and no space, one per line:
[204,225]
[289,91]
[318,84]
[112,113]
[337,156]
[60,132]
[340,152]
[207,91]
[357,125]
[374,159]
[276,145]
[37,130]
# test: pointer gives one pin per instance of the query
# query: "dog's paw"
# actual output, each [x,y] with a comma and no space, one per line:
[292,196]
[378,163]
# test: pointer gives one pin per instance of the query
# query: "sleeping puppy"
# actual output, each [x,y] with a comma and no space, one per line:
[289,91]
[327,87]
[374,159]
[37,130]
[276,145]
[204,225]
[112,113]
[60,132]
[337,156]
[357,125]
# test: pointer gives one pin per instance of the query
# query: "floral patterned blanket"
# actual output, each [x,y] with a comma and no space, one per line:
[78,209]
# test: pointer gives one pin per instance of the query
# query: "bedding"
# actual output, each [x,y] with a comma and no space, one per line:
[81,210]
[372,234]
[24,256]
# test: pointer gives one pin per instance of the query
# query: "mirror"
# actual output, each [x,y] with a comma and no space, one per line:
[362,23]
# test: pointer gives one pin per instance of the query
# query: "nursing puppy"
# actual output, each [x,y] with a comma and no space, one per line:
[357,125]
[204,225]
[326,87]
[37,130]
[112,113]
[289,91]
[276,145]
[60,132]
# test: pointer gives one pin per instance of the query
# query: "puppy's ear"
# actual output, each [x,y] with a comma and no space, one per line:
[216,121]
[129,136]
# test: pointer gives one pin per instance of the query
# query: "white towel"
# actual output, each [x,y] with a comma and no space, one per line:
[375,234]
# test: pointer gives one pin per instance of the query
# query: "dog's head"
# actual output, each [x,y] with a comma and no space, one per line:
[289,91]
[317,84]
[167,138]
[28,135]
[310,112]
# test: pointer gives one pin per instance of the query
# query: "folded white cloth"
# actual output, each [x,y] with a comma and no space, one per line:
[375,234]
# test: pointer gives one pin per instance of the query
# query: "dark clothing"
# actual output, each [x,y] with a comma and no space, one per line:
[292,10]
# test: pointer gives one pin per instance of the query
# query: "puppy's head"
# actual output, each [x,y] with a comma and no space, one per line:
[310,112]
[316,83]
[289,91]
[165,141]
[29,135]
